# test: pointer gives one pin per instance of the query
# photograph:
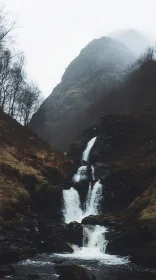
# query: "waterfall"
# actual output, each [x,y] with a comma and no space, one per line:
[94,238]
[94,197]
[93,173]
[72,209]
[81,174]
[94,242]
[86,152]
[72,206]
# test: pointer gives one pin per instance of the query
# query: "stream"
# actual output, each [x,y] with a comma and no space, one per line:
[92,253]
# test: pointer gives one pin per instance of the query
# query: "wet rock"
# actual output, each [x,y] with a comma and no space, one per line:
[7,270]
[129,242]
[8,255]
[27,252]
[82,188]
[76,149]
[119,190]
[98,220]
[49,198]
[74,233]
[146,255]
[74,272]
[56,245]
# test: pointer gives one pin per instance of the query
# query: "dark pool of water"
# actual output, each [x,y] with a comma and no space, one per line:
[44,266]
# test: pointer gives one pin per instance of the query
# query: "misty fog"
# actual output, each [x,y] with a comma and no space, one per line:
[52,33]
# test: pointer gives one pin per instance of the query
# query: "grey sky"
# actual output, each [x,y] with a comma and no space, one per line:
[52,32]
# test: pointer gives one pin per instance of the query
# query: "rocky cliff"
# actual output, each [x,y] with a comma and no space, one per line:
[70,107]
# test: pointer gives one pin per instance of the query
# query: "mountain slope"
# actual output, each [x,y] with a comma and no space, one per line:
[27,164]
[68,110]
[133,39]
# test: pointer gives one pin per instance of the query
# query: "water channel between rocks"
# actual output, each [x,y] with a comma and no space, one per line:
[92,254]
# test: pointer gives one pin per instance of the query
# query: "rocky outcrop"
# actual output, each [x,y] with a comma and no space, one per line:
[71,107]
[69,233]
[138,243]
[74,272]
[99,220]
[54,244]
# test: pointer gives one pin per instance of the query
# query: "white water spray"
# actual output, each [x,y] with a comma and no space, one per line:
[94,242]
[86,152]
[72,208]
[81,174]
[93,200]
[94,238]
[93,173]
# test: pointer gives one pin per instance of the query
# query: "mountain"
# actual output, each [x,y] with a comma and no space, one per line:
[136,93]
[68,110]
[137,42]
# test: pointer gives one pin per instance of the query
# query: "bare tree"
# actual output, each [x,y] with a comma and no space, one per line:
[29,102]
[17,77]
[5,78]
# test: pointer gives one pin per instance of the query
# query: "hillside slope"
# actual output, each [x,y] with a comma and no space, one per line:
[27,164]
[68,110]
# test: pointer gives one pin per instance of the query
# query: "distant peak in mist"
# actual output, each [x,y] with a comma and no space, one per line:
[136,41]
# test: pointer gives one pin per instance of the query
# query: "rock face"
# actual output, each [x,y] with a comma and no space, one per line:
[138,243]
[69,233]
[97,220]
[70,107]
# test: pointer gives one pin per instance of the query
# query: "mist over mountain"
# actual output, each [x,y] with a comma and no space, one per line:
[68,110]
[136,41]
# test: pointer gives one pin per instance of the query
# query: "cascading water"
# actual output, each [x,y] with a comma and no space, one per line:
[72,205]
[72,209]
[86,152]
[81,174]
[93,173]
[93,238]
[94,197]
[94,242]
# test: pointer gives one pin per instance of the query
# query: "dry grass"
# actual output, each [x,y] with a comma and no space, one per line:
[25,163]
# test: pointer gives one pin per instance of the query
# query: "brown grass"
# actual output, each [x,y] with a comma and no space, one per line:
[25,163]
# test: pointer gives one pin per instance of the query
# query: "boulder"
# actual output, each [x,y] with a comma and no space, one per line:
[99,220]
[56,245]
[74,233]
[146,255]
[8,255]
[74,272]
[129,242]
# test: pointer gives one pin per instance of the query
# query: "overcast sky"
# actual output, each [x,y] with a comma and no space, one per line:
[52,32]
